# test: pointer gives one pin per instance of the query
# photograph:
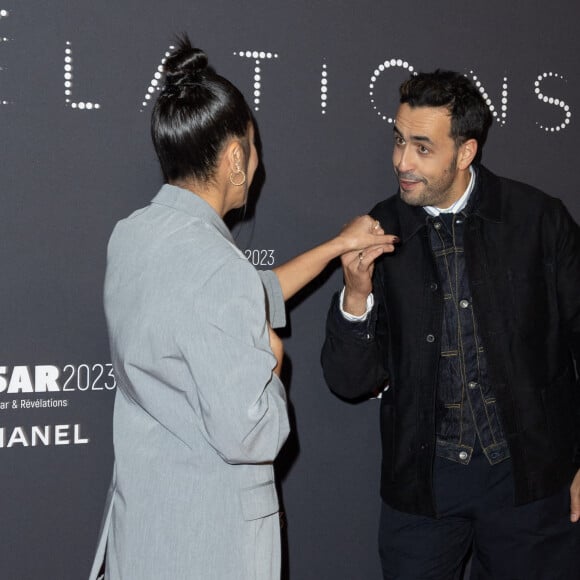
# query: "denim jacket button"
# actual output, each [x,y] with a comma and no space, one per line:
[463,455]
[472,384]
[430,338]
[464,303]
[433,286]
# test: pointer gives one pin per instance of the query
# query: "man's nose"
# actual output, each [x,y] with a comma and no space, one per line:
[402,159]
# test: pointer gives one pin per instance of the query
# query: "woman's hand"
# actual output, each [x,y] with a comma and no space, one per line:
[364,231]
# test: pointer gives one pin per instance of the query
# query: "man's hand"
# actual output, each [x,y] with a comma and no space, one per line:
[364,240]
[358,270]
[575,498]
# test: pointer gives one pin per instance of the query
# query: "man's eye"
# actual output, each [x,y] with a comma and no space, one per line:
[423,150]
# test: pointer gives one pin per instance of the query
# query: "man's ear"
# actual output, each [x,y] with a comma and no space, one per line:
[466,154]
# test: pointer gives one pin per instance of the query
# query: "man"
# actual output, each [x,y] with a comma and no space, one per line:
[472,326]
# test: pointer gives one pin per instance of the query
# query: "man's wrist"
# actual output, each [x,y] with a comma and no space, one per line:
[360,312]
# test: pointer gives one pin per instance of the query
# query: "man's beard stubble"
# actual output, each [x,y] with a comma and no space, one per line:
[434,193]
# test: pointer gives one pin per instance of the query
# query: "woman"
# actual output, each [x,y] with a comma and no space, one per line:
[200,412]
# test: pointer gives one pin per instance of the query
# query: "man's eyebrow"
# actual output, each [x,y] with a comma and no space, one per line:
[420,138]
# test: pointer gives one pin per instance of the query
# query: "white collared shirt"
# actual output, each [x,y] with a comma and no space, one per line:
[459,204]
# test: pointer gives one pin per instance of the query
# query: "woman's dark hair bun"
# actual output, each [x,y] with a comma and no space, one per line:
[197,111]
[184,63]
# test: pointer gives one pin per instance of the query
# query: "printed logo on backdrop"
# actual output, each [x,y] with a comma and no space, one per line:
[24,388]
[260,258]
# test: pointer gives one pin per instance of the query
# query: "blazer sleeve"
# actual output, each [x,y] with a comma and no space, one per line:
[241,403]
[275,306]
[351,355]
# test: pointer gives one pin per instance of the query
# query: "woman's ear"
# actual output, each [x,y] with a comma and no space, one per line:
[235,162]
[235,156]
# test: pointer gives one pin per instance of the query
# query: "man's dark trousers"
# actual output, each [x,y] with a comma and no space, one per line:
[475,507]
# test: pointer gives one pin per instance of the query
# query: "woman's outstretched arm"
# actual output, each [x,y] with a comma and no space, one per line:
[361,234]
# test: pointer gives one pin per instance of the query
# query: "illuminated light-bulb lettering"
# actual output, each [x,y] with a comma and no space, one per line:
[68,84]
[3,14]
[155,84]
[257,57]
[324,89]
[391,63]
[552,101]
[501,115]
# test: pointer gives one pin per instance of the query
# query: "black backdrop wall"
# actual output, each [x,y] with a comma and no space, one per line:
[322,78]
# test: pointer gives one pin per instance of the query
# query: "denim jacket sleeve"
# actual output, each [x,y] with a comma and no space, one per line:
[352,358]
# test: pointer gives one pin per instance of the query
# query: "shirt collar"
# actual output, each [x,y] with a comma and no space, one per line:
[191,204]
[459,204]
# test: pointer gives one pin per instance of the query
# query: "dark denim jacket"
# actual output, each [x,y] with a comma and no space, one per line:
[522,256]
[466,404]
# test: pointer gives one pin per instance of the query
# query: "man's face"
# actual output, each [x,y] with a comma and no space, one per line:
[425,157]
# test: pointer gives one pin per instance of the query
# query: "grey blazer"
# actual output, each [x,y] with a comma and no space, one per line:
[199,415]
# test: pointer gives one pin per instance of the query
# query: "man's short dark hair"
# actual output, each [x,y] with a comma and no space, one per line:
[470,115]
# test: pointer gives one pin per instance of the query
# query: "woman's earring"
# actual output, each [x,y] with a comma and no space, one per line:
[237,183]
